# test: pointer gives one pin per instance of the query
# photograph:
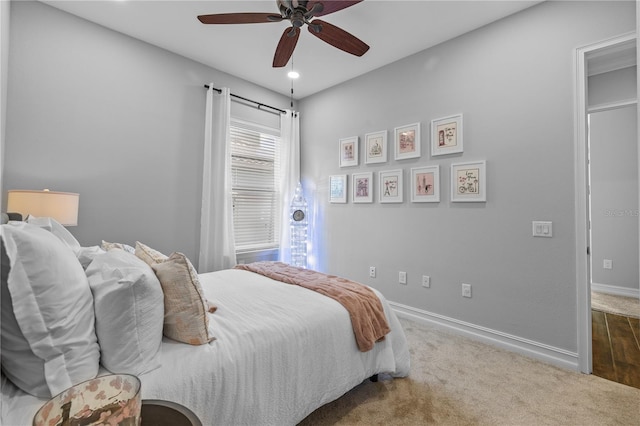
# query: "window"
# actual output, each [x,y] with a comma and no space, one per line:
[255,185]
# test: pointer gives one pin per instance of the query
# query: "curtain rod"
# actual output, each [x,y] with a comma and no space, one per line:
[259,105]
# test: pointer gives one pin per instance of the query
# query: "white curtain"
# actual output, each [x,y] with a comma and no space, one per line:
[217,245]
[290,166]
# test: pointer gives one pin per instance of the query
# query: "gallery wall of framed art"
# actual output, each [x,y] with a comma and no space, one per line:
[467,180]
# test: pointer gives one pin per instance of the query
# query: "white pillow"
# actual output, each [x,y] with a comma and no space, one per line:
[84,254]
[53,226]
[87,254]
[129,307]
[48,336]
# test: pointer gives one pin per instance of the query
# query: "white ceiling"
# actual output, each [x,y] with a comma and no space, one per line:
[394,29]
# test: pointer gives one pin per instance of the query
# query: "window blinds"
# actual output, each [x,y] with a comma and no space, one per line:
[255,181]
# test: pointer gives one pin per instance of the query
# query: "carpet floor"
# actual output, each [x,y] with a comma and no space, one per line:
[619,305]
[458,381]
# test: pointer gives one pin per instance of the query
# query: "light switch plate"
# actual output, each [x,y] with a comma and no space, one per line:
[542,228]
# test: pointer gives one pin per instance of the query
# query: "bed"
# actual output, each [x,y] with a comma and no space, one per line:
[278,351]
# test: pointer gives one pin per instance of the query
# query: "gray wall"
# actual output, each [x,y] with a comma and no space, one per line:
[614,197]
[514,83]
[4,68]
[115,119]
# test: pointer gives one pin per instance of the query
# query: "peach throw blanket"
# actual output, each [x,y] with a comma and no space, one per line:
[367,315]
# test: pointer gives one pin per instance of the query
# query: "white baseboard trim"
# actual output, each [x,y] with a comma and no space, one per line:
[549,354]
[616,290]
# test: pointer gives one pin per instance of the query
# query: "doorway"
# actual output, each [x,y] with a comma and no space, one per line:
[609,56]
[614,259]
[613,199]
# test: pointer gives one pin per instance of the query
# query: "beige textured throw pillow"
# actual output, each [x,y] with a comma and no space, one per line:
[106,246]
[185,308]
[149,255]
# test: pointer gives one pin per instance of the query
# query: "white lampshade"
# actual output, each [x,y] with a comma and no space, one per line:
[62,206]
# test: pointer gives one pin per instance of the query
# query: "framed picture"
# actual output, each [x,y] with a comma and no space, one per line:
[425,184]
[362,185]
[375,145]
[390,186]
[469,182]
[446,135]
[349,151]
[338,189]
[407,141]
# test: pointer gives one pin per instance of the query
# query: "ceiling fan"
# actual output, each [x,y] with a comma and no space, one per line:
[298,12]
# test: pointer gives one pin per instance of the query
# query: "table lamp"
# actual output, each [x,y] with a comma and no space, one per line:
[61,206]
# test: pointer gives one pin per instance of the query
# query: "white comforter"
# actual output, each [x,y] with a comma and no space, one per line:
[281,351]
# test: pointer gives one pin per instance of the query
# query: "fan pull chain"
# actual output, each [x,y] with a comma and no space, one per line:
[291,99]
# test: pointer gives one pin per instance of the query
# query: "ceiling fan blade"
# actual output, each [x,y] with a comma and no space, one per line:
[338,37]
[239,18]
[331,6]
[286,45]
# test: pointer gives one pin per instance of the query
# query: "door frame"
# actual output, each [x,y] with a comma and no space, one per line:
[582,224]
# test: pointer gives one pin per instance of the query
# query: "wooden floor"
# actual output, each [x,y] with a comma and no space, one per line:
[616,348]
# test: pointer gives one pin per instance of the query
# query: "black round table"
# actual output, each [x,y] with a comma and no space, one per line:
[156,412]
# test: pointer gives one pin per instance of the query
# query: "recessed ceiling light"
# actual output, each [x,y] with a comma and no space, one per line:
[293,74]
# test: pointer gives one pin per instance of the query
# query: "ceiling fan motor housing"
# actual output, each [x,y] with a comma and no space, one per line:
[297,12]
[286,6]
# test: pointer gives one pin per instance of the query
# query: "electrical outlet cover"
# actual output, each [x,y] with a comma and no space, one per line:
[466,290]
[426,281]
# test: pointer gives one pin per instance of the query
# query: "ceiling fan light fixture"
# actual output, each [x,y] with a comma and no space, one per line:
[293,74]
[298,13]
